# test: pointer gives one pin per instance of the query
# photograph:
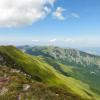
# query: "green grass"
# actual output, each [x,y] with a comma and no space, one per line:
[45,73]
[36,91]
[71,63]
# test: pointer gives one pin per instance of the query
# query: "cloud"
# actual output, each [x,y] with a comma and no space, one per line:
[75,15]
[53,40]
[35,40]
[59,13]
[23,12]
[69,40]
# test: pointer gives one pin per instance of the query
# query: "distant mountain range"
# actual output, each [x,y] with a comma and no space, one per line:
[65,74]
[90,50]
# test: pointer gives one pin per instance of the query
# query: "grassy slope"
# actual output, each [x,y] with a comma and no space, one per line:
[15,80]
[84,75]
[77,71]
[43,72]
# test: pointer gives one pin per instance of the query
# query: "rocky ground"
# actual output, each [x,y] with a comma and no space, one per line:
[16,85]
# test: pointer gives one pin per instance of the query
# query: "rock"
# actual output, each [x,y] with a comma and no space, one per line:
[3,91]
[15,71]
[26,87]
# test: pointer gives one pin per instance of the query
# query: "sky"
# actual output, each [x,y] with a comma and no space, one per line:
[72,23]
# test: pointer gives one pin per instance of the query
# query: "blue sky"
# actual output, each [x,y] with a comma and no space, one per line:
[77,25]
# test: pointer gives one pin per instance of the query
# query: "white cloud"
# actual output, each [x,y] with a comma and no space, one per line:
[69,40]
[75,15]
[23,12]
[35,40]
[53,40]
[59,13]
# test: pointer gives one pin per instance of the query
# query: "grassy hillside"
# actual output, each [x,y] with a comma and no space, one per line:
[38,69]
[15,85]
[71,63]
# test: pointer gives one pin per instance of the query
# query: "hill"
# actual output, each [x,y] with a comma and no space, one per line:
[41,71]
[71,62]
[16,85]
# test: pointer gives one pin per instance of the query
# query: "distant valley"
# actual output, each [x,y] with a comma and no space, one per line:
[91,50]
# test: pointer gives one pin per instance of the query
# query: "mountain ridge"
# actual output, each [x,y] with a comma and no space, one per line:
[82,66]
[41,71]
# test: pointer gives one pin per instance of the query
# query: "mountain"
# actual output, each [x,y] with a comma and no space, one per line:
[72,63]
[47,70]
[65,56]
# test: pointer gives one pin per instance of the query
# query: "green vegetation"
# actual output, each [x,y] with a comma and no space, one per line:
[14,85]
[46,70]
[71,63]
